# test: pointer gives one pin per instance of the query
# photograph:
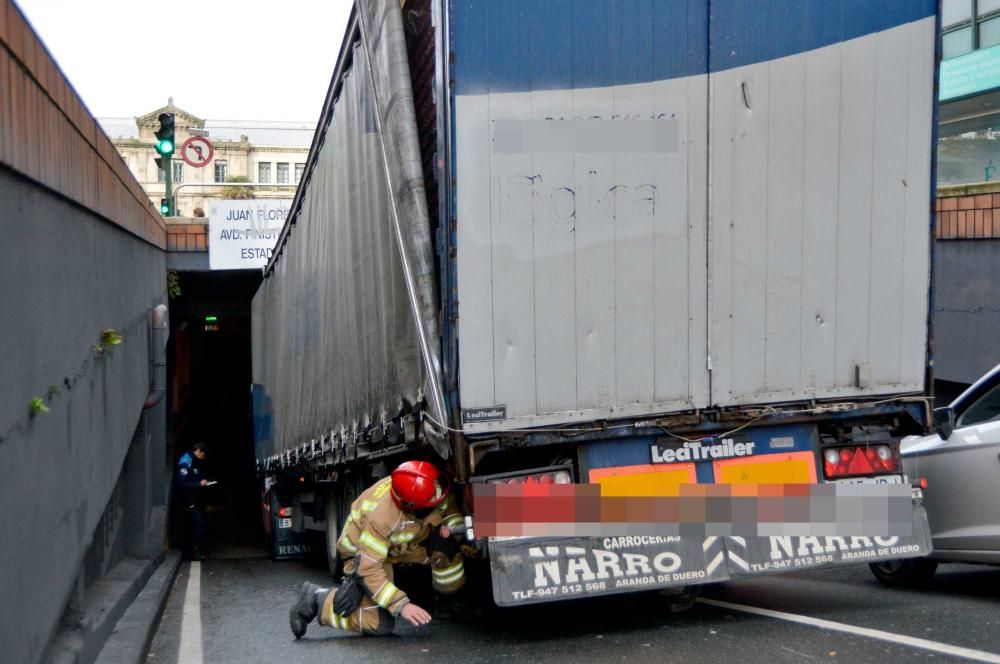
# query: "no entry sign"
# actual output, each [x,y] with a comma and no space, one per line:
[197,151]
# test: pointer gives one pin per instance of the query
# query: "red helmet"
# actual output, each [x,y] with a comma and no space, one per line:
[414,485]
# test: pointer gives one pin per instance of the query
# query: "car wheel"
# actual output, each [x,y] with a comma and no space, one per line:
[904,573]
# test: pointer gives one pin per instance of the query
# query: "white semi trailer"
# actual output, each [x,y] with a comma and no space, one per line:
[543,242]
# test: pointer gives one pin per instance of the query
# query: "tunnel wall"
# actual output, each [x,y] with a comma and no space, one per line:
[82,253]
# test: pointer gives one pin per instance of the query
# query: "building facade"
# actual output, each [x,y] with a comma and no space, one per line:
[966,315]
[969,92]
[271,153]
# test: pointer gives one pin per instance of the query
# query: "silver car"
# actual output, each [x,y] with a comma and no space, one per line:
[961,462]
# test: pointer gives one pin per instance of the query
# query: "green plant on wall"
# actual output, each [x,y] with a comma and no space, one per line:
[173,284]
[36,406]
[107,342]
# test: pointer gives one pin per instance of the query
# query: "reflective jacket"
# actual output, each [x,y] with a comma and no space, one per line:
[378,533]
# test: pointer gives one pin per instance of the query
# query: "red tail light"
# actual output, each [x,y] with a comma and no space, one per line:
[553,477]
[285,511]
[855,461]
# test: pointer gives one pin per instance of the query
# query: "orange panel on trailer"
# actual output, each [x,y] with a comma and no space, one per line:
[644,480]
[786,468]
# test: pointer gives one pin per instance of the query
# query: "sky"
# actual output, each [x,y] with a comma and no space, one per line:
[228,59]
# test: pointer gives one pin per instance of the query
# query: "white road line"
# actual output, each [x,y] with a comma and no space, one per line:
[190,649]
[913,642]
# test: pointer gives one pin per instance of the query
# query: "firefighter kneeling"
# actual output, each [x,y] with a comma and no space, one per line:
[403,518]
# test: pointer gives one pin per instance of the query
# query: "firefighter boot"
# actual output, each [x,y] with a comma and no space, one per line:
[305,608]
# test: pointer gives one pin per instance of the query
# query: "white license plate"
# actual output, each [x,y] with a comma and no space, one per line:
[881,479]
[284,523]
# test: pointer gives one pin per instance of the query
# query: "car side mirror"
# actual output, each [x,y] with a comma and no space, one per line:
[944,421]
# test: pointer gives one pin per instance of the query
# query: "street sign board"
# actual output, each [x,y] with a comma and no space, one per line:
[972,73]
[197,151]
[242,233]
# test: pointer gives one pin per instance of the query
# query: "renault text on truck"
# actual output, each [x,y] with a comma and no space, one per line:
[640,245]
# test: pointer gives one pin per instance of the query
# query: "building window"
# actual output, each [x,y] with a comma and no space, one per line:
[282,173]
[264,172]
[299,170]
[989,33]
[968,25]
[220,170]
[967,151]
[955,43]
[178,172]
[984,7]
[955,11]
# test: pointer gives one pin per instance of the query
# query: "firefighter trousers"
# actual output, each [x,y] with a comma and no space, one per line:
[447,576]
[368,618]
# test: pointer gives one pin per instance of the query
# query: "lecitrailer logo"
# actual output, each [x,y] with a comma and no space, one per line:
[489,414]
[701,451]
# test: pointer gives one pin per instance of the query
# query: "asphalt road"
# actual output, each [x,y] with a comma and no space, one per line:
[240,602]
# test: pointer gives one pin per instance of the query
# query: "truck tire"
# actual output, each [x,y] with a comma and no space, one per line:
[680,598]
[338,504]
[904,573]
[333,522]
[272,530]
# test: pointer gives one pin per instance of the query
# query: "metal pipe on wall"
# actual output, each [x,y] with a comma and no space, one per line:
[159,331]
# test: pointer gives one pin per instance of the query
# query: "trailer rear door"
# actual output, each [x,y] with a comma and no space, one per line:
[681,205]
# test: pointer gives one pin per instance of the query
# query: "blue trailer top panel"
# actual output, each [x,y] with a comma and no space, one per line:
[512,45]
[745,33]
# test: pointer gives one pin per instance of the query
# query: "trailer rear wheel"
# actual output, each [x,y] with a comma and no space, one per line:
[271,527]
[338,506]
[904,573]
[333,522]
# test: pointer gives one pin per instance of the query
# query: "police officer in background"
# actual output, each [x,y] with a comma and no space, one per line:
[190,484]
[408,517]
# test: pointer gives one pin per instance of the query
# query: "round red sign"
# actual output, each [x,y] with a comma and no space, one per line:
[197,151]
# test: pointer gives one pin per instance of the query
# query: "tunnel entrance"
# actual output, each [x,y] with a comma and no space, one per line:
[209,375]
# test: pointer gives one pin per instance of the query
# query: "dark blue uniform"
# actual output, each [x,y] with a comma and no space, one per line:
[189,477]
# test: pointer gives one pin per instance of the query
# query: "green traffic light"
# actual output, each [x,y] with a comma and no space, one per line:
[165,147]
[164,209]
[211,319]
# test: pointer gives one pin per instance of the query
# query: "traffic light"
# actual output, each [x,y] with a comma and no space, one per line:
[165,135]
[164,207]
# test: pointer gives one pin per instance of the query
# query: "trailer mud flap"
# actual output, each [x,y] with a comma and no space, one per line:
[290,545]
[753,556]
[531,571]
[535,570]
